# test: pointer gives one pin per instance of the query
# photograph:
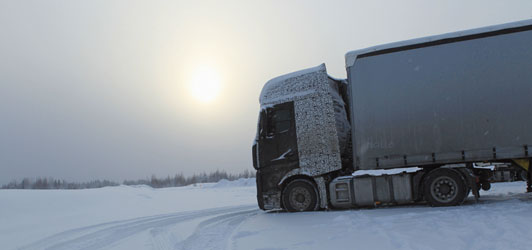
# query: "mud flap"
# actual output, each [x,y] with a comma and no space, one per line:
[472,180]
[322,192]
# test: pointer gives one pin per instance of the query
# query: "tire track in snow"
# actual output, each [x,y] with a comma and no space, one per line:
[215,233]
[77,232]
[103,235]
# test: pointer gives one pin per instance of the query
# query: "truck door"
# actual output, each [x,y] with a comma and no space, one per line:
[277,144]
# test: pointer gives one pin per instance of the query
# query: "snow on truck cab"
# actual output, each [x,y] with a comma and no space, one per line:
[438,105]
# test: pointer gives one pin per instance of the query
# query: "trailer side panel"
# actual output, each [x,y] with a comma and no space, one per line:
[452,102]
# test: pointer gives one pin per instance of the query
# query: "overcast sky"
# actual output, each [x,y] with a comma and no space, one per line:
[103,89]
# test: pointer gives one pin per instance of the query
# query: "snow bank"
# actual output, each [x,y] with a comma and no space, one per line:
[242,182]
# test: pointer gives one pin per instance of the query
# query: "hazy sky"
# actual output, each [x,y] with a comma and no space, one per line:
[104,89]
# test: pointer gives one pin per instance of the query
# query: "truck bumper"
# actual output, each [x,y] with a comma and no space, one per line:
[267,200]
[272,200]
[258,181]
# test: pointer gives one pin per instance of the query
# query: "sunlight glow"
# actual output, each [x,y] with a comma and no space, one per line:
[205,84]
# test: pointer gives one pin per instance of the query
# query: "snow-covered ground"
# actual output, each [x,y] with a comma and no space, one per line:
[225,216]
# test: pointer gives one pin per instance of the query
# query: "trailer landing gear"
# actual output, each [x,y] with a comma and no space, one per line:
[526,165]
[529,177]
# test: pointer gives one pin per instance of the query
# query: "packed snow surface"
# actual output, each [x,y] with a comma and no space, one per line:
[224,215]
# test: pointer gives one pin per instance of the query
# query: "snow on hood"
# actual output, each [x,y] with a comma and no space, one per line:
[351,56]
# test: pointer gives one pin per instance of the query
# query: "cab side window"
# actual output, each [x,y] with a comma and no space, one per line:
[279,121]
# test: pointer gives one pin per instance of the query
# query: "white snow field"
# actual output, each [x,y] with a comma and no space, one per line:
[225,216]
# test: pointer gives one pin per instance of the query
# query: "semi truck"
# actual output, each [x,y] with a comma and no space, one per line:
[410,123]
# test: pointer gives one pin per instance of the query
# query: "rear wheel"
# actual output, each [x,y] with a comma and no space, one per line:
[445,187]
[300,195]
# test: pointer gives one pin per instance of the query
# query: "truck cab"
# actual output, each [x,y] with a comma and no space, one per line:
[302,133]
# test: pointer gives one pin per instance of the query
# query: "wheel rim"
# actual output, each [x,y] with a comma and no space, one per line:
[300,198]
[444,189]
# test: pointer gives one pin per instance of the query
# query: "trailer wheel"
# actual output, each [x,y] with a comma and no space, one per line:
[300,195]
[445,187]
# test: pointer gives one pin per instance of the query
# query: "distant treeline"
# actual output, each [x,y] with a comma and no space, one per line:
[178,180]
[51,183]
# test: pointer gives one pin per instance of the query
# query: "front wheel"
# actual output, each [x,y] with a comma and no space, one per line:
[445,187]
[300,195]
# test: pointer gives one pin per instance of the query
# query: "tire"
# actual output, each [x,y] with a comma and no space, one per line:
[444,187]
[300,195]
[485,186]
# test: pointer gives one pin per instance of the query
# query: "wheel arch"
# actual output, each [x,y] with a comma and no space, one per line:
[428,170]
[317,181]
[461,172]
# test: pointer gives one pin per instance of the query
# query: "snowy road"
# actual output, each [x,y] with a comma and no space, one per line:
[225,216]
[215,227]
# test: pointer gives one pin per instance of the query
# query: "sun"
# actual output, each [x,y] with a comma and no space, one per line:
[205,85]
